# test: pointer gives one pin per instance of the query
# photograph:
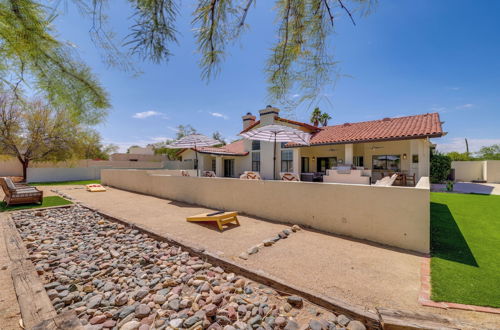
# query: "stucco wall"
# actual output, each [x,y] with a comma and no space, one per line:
[493,171]
[468,170]
[396,216]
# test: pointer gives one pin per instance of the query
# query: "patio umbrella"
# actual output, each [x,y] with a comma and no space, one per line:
[277,133]
[193,141]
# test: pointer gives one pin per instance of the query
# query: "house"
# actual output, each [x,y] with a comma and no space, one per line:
[378,146]
[139,154]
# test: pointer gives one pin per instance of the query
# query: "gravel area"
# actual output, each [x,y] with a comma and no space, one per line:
[116,277]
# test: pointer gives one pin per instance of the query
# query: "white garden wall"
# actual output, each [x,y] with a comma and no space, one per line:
[396,216]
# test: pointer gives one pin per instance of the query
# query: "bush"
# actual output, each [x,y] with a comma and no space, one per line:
[440,168]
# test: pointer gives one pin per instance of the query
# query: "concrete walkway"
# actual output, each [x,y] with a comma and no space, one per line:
[357,272]
[471,188]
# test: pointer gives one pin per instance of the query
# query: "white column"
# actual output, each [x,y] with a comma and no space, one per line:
[423,158]
[296,161]
[348,154]
[219,171]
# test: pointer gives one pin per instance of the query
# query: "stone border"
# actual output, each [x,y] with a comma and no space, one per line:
[424,297]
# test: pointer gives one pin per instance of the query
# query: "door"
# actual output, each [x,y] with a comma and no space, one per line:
[304,165]
[228,168]
[325,163]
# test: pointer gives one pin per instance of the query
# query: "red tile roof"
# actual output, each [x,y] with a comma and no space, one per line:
[410,127]
[237,148]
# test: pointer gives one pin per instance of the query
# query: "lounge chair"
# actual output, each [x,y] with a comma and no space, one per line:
[249,175]
[288,176]
[386,181]
[20,194]
[185,173]
[208,174]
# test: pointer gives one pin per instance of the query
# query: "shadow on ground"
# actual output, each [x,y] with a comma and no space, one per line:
[447,241]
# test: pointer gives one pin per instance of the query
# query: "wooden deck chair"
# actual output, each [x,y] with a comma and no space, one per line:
[20,194]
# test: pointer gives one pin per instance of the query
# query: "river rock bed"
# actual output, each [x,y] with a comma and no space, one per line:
[115,277]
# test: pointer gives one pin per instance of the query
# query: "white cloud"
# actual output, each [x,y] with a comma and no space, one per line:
[458,144]
[173,129]
[218,115]
[146,114]
[438,109]
[453,88]
[295,96]
[465,106]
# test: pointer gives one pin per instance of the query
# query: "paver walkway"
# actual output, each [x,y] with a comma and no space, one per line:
[357,272]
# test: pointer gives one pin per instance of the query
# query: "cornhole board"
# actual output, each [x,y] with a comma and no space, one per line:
[221,218]
[95,188]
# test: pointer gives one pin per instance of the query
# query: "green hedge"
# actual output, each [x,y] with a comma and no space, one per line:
[440,168]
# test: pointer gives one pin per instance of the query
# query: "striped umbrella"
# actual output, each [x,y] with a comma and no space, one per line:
[193,141]
[277,133]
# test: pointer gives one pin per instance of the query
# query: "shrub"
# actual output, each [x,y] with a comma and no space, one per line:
[440,168]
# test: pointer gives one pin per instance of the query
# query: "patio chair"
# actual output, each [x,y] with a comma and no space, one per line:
[249,175]
[386,181]
[288,176]
[20,194]
[208,174]
[185,173]
[411,178]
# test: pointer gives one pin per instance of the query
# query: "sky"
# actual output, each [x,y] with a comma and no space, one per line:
[406,57]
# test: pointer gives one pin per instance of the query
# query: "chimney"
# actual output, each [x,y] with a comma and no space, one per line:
[248,120]
[267,115]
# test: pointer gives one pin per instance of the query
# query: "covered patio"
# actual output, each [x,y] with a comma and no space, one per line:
[363,163]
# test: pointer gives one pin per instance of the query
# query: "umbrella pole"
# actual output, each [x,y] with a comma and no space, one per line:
[196,154]
[274,158]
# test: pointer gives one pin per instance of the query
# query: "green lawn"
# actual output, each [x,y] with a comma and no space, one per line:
[47,202]
[465,248]
[64,183]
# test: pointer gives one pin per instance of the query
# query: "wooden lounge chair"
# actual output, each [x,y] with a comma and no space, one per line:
[94,187]
[20,194]
[220,217]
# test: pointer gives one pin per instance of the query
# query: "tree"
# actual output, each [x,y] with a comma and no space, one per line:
[217,136]
[91,147]
[315,116]
[134,146]
[440,167]
[301,57]
[489,153]
[324,118]
[37,131]
[30,55]
[184,130]
[459,156]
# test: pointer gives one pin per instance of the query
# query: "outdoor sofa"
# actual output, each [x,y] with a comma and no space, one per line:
[19,193]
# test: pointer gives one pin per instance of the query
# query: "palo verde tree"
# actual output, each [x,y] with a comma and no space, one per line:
[300,59]
[32,57]
[35,130]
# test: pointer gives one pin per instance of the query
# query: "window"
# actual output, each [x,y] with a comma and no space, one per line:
[358,161]
[214,166]
[305,164]
[256,161]
[255,145]
[414,159]
[386,162]
[287,160]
